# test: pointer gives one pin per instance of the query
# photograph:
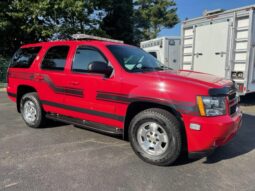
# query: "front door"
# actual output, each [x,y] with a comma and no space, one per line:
[86,105]
[211,48]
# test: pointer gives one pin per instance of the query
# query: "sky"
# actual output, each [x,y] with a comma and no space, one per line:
[195,8]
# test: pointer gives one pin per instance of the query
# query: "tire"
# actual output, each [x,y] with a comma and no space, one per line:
[164,144]
[35,117]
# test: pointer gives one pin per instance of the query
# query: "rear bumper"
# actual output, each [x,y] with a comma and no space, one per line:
[214,132]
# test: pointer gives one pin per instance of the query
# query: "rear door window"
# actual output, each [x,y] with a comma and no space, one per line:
[24,57]
[55,58]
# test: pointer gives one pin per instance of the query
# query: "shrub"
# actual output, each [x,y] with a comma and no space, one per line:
[3,68]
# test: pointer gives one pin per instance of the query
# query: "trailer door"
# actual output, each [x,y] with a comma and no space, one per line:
[211,48]
[173,53]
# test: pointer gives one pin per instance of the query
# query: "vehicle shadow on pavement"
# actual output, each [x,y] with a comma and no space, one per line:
[242,143]
[248,100]
[54,124]
[119,137]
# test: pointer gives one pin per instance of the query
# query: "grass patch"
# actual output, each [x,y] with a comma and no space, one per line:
[2,85]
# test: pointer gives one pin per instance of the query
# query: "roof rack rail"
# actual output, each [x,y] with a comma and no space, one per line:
[91,37]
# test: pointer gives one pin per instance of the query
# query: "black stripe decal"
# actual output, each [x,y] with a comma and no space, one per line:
[12,94]
[57,89]
[124,99]
[83,110]
[111,97]
[183,107]
[63,90]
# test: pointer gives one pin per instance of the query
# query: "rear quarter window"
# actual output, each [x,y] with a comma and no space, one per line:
[24,57]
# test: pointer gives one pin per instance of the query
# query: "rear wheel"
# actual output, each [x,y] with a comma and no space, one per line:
[155,136]
[31,110]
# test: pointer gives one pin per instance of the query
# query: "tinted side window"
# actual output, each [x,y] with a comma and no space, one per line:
[24,57]
[85,56]
[55,58]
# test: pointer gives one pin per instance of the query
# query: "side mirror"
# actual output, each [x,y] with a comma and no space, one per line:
[100,68]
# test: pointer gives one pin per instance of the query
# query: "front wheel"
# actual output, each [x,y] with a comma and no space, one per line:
[155,136]
[31,110]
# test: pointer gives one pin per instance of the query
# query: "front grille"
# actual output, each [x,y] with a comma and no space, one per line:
[232,96]
[233,102]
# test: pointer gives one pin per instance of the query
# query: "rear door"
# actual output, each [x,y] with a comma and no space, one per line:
[51,78]
[211,48]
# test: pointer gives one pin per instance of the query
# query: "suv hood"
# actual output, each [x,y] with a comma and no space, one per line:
[198,78]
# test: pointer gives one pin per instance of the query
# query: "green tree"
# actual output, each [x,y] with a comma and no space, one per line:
[152,15]
[118,22]
[26,21]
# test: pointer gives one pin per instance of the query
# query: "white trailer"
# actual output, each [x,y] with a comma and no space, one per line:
[222,43]
[165,49]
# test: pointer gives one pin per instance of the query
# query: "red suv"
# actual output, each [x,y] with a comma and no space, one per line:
[120,89]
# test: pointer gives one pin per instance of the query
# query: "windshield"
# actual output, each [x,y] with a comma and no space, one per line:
[134,59]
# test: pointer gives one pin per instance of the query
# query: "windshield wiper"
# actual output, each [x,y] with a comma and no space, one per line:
[145,69]
[149,69]
[163,67]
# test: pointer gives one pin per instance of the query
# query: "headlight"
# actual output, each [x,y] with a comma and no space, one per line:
[211,106]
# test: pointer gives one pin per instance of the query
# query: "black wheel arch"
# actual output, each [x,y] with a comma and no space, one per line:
[138,106]
[22,90]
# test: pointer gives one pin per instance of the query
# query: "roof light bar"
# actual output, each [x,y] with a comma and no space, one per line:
[91,37]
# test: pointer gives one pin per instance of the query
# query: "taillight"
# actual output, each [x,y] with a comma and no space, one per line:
[240,87]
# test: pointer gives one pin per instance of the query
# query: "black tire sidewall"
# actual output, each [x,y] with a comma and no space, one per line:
[34,98]
[171,127]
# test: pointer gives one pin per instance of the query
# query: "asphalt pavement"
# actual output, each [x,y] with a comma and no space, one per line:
[64,157]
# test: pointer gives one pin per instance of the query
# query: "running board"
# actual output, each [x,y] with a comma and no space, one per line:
[86,124]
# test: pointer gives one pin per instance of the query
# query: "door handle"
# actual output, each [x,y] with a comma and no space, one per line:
[75,83]
[39,77]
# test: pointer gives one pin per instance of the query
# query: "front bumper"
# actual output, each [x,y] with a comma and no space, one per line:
[214,132]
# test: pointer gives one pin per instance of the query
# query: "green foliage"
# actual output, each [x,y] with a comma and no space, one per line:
[26,21]
[152,15]
[3,69]
[4,61]
[118,22]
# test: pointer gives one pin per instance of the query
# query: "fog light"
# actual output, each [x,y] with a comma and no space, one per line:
[195,126]
[240,87]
